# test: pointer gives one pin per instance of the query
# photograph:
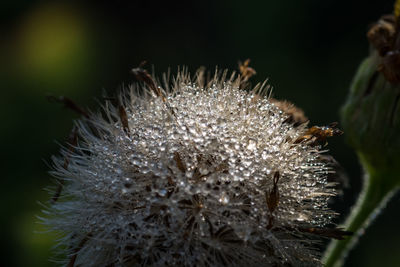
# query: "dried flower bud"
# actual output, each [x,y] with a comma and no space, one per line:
[193,176]
[371,115]
[382,34]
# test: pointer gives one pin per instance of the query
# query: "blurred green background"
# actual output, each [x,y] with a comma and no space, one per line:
[309,50]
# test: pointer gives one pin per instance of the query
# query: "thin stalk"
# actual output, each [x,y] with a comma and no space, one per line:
[377,189]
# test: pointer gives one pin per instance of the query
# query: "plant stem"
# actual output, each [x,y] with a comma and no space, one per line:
[377,190]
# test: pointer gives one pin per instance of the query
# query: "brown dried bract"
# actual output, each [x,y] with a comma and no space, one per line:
[273,195]
[71,262]
[382,34]
[272,198]
[246,72]
[69,103]
[318,135]
[179,162]
[295,115]
[142,75]
[124,118]
[390,66]
[385,38]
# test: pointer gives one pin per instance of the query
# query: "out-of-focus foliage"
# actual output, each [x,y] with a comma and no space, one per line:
[310,50]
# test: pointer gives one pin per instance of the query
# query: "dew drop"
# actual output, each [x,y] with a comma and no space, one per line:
[224,198]
[162,192]
[251,144]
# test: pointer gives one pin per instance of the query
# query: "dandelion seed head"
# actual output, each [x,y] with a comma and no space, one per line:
[212,176]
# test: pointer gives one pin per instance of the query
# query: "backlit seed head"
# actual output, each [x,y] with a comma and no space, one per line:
[194,175]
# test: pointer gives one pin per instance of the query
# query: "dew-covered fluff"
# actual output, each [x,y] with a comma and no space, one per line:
[207,175]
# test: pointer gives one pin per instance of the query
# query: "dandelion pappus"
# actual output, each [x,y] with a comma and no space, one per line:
[72,141]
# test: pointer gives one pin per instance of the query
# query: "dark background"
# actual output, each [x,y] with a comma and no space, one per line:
[309,51]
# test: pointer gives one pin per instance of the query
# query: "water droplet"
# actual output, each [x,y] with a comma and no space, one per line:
[162,192]
[224,198]
[302,217]
[203,170]
[251,144]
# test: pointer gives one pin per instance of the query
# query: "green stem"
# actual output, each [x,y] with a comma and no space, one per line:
[377,189]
